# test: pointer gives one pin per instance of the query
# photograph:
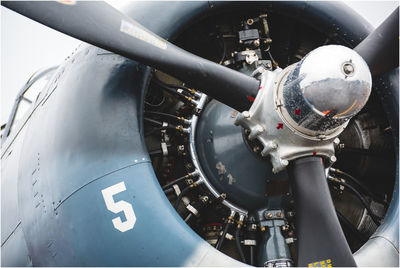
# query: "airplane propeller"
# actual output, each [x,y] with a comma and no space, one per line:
[320,236]
[101,25]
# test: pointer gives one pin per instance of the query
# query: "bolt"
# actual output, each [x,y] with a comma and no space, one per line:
[256,42]
[333,159]
[348,68]
[246,114]
[290,214]
[285,162]
[336,141]
[250,22]
[262,229]
[268,215]
[279,215]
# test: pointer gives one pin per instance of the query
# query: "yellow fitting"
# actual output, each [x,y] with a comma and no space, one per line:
[262,229]
[192,91]
[188,98]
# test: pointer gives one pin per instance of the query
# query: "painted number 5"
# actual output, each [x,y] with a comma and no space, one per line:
[119,207]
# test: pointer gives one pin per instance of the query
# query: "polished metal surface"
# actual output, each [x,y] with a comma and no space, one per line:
[324,90]
[299,111]
[279,141]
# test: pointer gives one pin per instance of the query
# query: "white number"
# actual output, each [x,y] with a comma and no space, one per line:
[118,207]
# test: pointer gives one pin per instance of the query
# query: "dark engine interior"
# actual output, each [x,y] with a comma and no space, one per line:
[361,181]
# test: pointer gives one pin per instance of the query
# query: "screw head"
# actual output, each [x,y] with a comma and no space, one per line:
[250,22]
[285,162]
[348,68]
[336,141]
[268,215]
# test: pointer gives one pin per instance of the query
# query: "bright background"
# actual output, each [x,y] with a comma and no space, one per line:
[27,46]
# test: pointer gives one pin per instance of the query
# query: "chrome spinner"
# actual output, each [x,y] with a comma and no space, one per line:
[300,111]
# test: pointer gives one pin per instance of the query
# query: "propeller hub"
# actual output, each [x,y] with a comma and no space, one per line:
[301,110]
[324,90]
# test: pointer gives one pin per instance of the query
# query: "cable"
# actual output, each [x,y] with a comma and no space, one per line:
[162,84]
[174,90]
[178,180]
[239,247]
[162,114]
[222,238]
[223,50]
[355,181]
[188,217]
[360,197]
[251,255]
[159,124]
[166,115]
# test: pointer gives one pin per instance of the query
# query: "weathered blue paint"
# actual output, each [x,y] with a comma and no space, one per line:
[84,134]
[245,176]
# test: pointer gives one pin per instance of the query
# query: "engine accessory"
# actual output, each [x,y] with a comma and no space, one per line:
[273,248]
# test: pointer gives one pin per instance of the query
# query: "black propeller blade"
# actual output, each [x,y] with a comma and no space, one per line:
[320,237]
[100,24]
[381,48]
[319,234]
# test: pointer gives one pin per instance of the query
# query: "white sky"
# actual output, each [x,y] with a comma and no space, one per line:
[27,46]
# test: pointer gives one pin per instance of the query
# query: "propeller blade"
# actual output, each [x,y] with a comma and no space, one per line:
[101,25]
[380,49]
[319,234]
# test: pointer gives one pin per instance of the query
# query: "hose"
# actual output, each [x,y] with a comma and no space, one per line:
[251,255]
[182,194]
[239,247]
[162,84]
[158,123]
[173,90]
[222,238]
[162,114]
[361,198]
[359,184]
[178,180]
